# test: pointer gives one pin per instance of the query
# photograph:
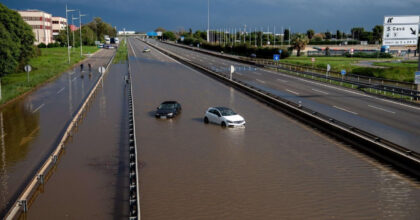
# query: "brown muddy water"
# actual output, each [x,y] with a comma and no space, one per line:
[274,168]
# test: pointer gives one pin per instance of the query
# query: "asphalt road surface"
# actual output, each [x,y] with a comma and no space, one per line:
[394,121]
[273,168]
[31,126]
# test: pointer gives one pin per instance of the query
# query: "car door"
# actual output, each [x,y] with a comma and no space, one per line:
[217,116]
[212,116]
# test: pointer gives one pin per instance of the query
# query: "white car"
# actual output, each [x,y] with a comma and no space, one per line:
[146,50]
[223,116]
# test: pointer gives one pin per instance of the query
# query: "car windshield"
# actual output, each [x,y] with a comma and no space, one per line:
[227,112]
[167,106]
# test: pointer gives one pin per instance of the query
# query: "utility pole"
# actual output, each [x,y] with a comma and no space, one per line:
[80,27]
[73,18]
[68,39]
[208,21]
[274,36]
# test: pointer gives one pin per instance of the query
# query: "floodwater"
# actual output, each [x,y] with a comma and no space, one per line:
[91,179]
[30,127]
[273,168]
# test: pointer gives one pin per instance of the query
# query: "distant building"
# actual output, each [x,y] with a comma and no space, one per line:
[58,24]
[41,23]
[126,32]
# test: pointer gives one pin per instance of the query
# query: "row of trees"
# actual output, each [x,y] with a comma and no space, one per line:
[16,41]
[91,32]
[357,33]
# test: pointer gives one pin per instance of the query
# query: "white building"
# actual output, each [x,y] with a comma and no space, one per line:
[58,24]
[41,25]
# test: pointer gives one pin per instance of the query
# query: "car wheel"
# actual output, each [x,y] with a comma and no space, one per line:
[223,124]
[206,120]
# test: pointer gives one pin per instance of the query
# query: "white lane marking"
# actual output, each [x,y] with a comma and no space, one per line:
[239,73]
[382,109]
[316,90]
[261,81]
[257,73]
[74,79]
[132,49]
[37,109]
[285,81]
[296,93]
[343,109]
[344,90]
[59,91]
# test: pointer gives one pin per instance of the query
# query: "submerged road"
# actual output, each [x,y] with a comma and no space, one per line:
[391,120]
[274,168]
[31,126]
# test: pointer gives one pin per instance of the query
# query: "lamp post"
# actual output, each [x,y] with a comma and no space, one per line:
[80,27]
[208,21]
[68,40]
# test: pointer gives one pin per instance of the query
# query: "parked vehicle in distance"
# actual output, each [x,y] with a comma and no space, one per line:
[168,109]
[223,116]
[146,50]
[253,55]
[117,41]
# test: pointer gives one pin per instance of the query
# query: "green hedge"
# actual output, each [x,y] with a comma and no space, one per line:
[239,49]
[369,55]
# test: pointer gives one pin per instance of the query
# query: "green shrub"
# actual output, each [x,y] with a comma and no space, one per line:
[42,45]
[369,55]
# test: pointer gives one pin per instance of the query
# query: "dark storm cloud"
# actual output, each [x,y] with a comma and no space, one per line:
[300,15]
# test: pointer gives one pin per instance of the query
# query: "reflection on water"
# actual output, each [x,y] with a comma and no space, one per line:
[102,102]
[18,127]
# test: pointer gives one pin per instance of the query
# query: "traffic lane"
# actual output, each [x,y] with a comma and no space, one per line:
[351,103]
[371,108]
[91,180]
[273,168]
[31,127]
[332,89]
[152,56]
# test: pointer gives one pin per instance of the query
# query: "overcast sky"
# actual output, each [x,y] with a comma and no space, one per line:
[300,15]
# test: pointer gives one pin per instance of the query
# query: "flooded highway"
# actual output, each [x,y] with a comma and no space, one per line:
[91,179]
[273,168]
[30,126]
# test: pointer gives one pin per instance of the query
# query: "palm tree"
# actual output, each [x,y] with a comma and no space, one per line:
[299,42]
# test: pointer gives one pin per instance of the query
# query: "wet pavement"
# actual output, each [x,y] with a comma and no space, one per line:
[391,120]
[30,126]
[273,168]
[91,179]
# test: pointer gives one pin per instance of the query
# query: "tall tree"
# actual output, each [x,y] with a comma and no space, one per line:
[338,34]
[356,32]
[299,42]
[378,30]
[286,34]
[16,41]
[328,35]
[310,33]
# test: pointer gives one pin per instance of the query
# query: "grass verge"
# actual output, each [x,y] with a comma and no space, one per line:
[400,71]
[122,54]
[52,62]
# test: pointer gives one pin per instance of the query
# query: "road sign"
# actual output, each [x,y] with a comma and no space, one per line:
[343,72]
[351,51]
[101,69]
[401,30]
[276,57]
[328,67]
[182,38]
[28,69]
[232,70]
[313,59]
[417,77]
[280,51]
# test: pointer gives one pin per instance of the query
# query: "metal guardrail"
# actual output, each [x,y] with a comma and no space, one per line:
[400,156]
[135,213]
[27,196]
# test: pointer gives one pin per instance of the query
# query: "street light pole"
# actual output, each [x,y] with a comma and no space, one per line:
[72,19]
[68,39]
[208,21]
[80,27]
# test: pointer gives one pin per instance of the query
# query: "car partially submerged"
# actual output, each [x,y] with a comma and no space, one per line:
[223,116]
[146,50]
[168,109]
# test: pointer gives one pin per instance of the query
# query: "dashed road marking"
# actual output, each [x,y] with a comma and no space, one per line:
[59,91]
[37,109]
[343,109]
[316,90]
[296,93]
[382,109]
